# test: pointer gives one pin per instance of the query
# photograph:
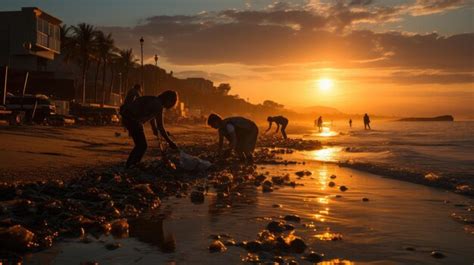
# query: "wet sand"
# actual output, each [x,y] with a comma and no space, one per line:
[402,223]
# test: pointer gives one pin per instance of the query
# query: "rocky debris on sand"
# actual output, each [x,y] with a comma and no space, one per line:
[296,144]
[365,199]
[277,206]
[120,228]
[333,176]
[331,184]
[303,173]
[217,246]
[16,238]
[343,188]
[298,245]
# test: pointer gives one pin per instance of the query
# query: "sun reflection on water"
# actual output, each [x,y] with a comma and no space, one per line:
[326,154]
[326,132]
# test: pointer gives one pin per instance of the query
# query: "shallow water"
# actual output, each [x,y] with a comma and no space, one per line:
[397,215]
[445,148]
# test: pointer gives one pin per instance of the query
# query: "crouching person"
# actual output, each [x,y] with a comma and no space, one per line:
[141,110]
[241,133]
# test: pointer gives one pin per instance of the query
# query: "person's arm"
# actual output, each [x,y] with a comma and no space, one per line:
[161,129]
[154,127]
[269,126]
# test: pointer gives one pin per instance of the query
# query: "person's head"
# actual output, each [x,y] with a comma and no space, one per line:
[214,121]
[169,98]
[270,118]
[137,87]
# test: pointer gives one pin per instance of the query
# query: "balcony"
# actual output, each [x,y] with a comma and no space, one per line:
[47,42]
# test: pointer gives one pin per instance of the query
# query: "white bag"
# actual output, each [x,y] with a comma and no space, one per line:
[190,163]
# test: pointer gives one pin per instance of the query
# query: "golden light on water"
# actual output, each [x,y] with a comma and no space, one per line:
[325,84]
[326,132]
[325,154]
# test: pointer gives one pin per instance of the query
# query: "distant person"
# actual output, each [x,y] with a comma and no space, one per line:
[241,133]
[350,123]
[280,121]
[143,109]
[319,123]
[366,122]
[134,93]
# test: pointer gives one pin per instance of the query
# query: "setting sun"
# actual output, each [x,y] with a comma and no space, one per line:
[325,84]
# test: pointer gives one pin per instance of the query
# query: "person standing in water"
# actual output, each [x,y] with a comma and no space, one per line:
[366,122]
[350,123]
[280,121]
[241,133]
[319,122]
[143,109]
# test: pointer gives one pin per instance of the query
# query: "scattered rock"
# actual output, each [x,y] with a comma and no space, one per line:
[365,199]
[410,249]
[437,255]
[298,245]
[292,218]
[253,246]
[217,246]
[277,206]
[120,228]
[331,184]
[276,226]
[314,257]
[343,188]
[113,246]
[333,176]
[197,197]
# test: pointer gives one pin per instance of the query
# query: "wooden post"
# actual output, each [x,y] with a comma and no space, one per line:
[4,99]
[26,82]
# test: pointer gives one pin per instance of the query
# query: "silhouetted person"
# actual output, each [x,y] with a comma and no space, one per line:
[319,123]
[241,133]
[143,109]
[366,122]
[134,93]
[350,123]
[280,121]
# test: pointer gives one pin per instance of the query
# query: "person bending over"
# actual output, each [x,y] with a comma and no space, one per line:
[241,133]
[280,121]
[143,109]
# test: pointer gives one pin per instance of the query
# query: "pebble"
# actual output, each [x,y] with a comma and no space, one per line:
[365,199]
[437,255]
[292,218]
[314,257]
[119,228]
[197,197]
[333,176]
[276,226]
[331,184]
[253,246]
[343,188]
[113,246]
[217,246]
[16,238]
[298,245]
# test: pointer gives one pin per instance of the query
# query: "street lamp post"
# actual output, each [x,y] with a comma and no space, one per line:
[157,77]
[120,87]
[141,47]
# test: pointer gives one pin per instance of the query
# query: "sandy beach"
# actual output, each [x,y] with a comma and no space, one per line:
[374,220]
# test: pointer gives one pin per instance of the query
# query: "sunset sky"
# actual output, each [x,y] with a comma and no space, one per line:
[387,57]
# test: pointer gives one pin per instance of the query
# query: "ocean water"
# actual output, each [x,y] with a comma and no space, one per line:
[442,148]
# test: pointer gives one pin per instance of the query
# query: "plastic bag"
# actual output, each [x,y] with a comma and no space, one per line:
[191,163]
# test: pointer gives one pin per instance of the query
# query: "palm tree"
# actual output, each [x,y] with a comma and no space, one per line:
[67,45]
[126,62]
[105,46]
[84,40]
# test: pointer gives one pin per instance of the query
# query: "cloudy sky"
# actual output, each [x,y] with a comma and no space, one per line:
[390,57]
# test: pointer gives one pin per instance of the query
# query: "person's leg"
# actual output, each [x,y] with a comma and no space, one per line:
[283,130]
[139,140]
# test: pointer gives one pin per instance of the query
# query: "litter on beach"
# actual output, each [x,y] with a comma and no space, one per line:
[192,163]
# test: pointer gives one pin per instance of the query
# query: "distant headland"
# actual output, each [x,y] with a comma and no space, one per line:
[438,118]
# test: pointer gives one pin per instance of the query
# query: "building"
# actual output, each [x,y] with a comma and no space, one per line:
[29,39]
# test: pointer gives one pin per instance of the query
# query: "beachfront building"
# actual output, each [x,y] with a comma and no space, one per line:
[29,39]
